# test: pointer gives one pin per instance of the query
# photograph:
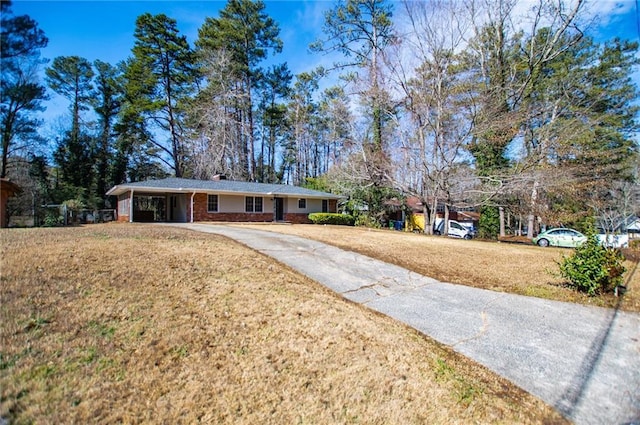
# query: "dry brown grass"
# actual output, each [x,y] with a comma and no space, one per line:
[135,323]
[515,268]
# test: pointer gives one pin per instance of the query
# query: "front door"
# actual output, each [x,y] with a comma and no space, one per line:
[177,208]
[278,209]
[172,207]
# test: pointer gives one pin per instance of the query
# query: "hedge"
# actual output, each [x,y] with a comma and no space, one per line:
[332,218]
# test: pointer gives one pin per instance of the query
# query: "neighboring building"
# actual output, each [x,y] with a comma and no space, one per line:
[185,200]
[7,189]
[629,225]
[466,216]
[632,225]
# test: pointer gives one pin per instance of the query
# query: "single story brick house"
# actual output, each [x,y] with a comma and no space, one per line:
[186,200]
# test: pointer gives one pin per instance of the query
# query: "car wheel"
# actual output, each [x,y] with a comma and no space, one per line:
[436,232]
[467,237]
[543,243]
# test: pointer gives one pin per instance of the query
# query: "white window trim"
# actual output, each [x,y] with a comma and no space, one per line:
[217,203]
[253,204]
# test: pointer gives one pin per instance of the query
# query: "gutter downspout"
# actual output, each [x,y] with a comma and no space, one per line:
[192,196]
[131,207]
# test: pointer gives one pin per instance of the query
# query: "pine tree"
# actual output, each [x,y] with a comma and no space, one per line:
[160,78]
[20,91]
[274,87]
[107,103]
[71,77]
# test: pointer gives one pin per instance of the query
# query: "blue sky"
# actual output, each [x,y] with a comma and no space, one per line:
[104,29]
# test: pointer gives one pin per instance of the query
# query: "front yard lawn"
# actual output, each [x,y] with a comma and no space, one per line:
[123,323]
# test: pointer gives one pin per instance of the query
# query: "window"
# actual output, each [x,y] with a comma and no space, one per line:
[325,206]
[456,226]
[302,204]
[253,204]
[212,203]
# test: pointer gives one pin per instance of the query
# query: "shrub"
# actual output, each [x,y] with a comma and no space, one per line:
[332,218]
[593,268]
[365,220]
[489,224]
[52,219]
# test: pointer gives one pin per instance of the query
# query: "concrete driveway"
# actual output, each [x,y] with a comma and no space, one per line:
[584,361]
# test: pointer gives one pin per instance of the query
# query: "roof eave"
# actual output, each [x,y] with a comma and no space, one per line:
[120,189]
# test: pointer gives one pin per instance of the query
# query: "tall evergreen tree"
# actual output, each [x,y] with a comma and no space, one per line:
[107,103]
[160,78]
[20,90]
[246,33]
[71,77]
[274,88]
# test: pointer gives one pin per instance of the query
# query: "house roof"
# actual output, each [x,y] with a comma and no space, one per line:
[9,187]
[180,185]
[631,222]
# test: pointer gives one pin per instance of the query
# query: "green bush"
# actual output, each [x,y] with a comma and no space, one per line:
[332,218]
[593,268]
[365,220]
[489,224]
[52,219]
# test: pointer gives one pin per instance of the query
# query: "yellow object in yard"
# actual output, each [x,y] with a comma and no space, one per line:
[415,222]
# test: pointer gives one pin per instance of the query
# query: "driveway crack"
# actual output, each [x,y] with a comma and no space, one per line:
[485,323]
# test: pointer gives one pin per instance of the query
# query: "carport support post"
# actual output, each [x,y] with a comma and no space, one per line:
[131,207]
[192,196]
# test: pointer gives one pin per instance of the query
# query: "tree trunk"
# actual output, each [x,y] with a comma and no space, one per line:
[428,227]
[531,218]
[445,230]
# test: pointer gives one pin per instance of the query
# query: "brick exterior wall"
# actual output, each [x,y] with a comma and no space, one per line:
[297,218]
[200,213]
[235,217]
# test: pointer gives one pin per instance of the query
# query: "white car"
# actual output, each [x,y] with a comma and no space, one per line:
[456,229]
